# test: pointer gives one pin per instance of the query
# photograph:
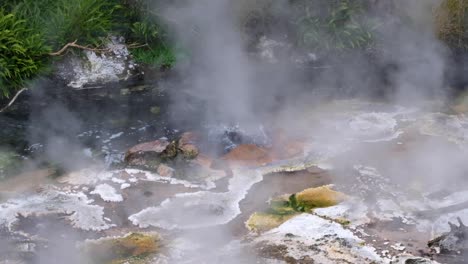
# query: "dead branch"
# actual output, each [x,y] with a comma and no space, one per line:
[74,45]
[12,100]
[136,45]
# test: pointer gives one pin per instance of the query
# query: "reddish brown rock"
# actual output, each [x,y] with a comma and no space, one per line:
[287,149]
[165,170]
[152,147]
[189,138]
[203,161]
[150,154]
[247,155]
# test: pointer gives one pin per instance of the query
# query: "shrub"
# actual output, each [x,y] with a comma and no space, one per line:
[21,53]
[452,23]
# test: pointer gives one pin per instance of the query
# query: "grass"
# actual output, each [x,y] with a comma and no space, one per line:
[31,29]
[339,26]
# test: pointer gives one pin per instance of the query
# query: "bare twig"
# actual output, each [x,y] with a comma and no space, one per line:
[74,45]
[136,45]
[12,100]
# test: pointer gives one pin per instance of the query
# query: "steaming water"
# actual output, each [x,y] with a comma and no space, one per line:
[344,129]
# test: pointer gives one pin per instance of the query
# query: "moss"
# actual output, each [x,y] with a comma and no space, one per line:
[155,110]
[318,197]
[285,207]
[170,152]
[281,206]
[261,222]
[132,248]
[342,221]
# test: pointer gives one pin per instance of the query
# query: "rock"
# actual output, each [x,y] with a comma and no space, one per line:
[415,260]
[288,149]
[123,249]
[285,146]
[285,207]
[157,147]
[165,170]
[95,70]
[247,155]
[316,240]
[189,151]
[452,242]
[203,160]
[189,138]
[150,154]
[187,145]
[318,197]
[170,152]
[261,222]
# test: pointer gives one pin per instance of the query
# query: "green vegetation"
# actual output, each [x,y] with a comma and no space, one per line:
[332,26]
[9,163]
[21,52]
[338,26]
[452,23]
[131,248]
[31,29]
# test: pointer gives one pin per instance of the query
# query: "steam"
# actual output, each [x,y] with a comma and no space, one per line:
[235,87]
[220,71]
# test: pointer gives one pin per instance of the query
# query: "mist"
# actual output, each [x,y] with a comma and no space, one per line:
[249,82]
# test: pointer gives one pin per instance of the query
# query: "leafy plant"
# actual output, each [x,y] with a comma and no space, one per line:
[337,27]
[21,53]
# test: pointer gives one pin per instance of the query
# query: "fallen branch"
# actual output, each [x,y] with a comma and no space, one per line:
[12,100]
[74,45]
[136,46]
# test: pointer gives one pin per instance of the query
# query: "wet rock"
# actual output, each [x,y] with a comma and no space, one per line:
[157,147]
[94,70]
[318,197]
[415,260]
[150,154]
[453,242]
[187,145]
[131,248]
[313,239]
[165,170]
[288,149]
[261,222]
[203,160]
[285,207]
[284,146]
[247,155]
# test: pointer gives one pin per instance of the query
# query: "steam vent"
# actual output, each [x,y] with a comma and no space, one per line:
[233,131]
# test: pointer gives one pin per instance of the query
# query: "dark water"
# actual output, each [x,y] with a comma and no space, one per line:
[53,121]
